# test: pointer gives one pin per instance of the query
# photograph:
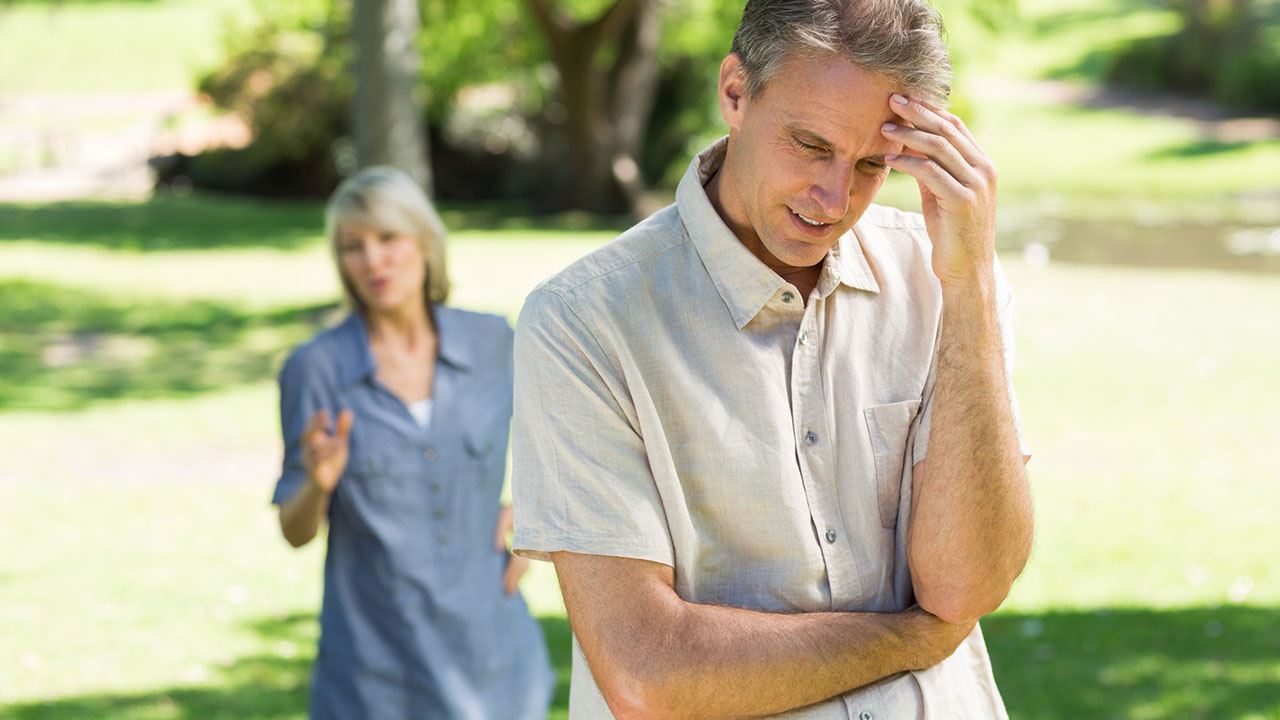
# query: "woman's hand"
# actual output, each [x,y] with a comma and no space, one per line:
[516,566]
[324,455]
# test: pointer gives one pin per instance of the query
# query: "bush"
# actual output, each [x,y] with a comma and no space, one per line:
[1231,58]
[292,90]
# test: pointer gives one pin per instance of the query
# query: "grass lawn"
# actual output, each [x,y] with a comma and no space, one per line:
[146,578]
[59,46]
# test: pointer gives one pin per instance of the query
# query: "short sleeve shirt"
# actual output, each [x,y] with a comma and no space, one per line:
[677,402]
[415,623]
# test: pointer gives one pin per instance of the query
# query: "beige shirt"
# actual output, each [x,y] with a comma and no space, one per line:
[676,402]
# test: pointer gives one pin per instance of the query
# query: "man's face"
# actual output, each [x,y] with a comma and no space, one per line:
[805,156]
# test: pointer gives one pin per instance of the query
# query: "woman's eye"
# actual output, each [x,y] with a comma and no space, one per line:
[386,237]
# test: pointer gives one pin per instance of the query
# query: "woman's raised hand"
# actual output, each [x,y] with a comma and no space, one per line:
[324,454]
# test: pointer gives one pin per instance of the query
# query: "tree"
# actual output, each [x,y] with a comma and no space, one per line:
[608,71]
[386,118]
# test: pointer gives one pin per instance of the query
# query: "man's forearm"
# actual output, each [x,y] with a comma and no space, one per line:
[971,516]
[723,662]
[655,655]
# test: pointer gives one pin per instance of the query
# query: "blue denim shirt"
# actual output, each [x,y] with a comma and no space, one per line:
[414,622]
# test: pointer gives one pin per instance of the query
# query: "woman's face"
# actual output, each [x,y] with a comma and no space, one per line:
[386,269]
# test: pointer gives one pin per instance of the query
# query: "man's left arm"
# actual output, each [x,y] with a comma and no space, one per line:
[971,518]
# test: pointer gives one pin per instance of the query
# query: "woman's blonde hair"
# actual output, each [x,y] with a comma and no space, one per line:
[387,199]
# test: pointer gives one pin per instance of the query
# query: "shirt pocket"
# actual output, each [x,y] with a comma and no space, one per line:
[376,479]
[482,449]
[888,427]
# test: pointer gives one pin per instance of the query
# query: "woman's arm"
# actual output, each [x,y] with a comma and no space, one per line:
[324,456]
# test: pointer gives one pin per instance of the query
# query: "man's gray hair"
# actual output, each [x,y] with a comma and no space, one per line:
[902,39]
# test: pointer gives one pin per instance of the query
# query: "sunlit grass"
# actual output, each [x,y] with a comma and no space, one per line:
[161,582]
[48,46]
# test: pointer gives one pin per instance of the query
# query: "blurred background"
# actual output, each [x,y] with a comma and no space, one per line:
[163,165]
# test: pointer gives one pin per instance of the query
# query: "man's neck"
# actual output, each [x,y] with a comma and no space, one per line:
[805,279]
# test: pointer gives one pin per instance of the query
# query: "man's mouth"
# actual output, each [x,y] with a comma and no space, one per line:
[809,221]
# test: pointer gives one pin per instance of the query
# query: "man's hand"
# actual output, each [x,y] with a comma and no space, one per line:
[324,455]
[516,566]
[957,188]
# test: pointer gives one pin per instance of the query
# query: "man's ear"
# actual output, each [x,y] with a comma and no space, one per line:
[733,89]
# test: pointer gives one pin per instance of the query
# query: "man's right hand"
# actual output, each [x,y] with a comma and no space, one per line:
[934,638]
[324,455]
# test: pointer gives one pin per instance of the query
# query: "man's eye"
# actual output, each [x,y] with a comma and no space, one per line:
[804,145]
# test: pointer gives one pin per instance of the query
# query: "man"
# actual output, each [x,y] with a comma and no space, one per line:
[767,435]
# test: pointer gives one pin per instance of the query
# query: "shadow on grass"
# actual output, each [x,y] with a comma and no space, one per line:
[208,221]
[1199,148]
[198,222]
[560,647]
[1218,662]
[264,685]
[514,216]
[261,686]
[1221,662]
[63,348]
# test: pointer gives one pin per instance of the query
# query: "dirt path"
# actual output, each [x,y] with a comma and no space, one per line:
[96,145]
[1214,122]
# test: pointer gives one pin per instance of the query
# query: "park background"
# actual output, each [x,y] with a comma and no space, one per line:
[162,164]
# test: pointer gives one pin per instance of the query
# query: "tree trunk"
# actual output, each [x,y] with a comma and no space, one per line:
[385,114]
[608,97]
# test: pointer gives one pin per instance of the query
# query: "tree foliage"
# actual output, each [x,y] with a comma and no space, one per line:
[1226,50]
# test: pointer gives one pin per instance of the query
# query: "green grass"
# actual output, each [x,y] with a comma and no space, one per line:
[111,46]
[146,577]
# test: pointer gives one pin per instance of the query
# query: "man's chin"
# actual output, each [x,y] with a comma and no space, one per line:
[802,252]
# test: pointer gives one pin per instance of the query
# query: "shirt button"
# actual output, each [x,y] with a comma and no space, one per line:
[430,454]
[804,338]
[811,438]
[866,715]
[788,297]
[435,487]
[438,514]
[444,539]
[831,536]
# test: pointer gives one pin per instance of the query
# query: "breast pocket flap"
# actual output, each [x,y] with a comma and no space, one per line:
[888,427]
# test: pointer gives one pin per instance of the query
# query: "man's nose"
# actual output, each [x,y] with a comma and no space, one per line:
[832,191]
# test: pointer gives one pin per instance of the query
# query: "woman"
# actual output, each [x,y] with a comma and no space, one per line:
[395,427]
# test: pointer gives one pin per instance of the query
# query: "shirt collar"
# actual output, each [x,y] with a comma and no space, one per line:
[745,283]
[456,348]
[355,359]
[356,362]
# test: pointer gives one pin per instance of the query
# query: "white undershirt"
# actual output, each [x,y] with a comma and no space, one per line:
[421,412]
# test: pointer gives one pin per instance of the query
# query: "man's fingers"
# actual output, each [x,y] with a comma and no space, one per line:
[933,176]
[936,148]
[938,122]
